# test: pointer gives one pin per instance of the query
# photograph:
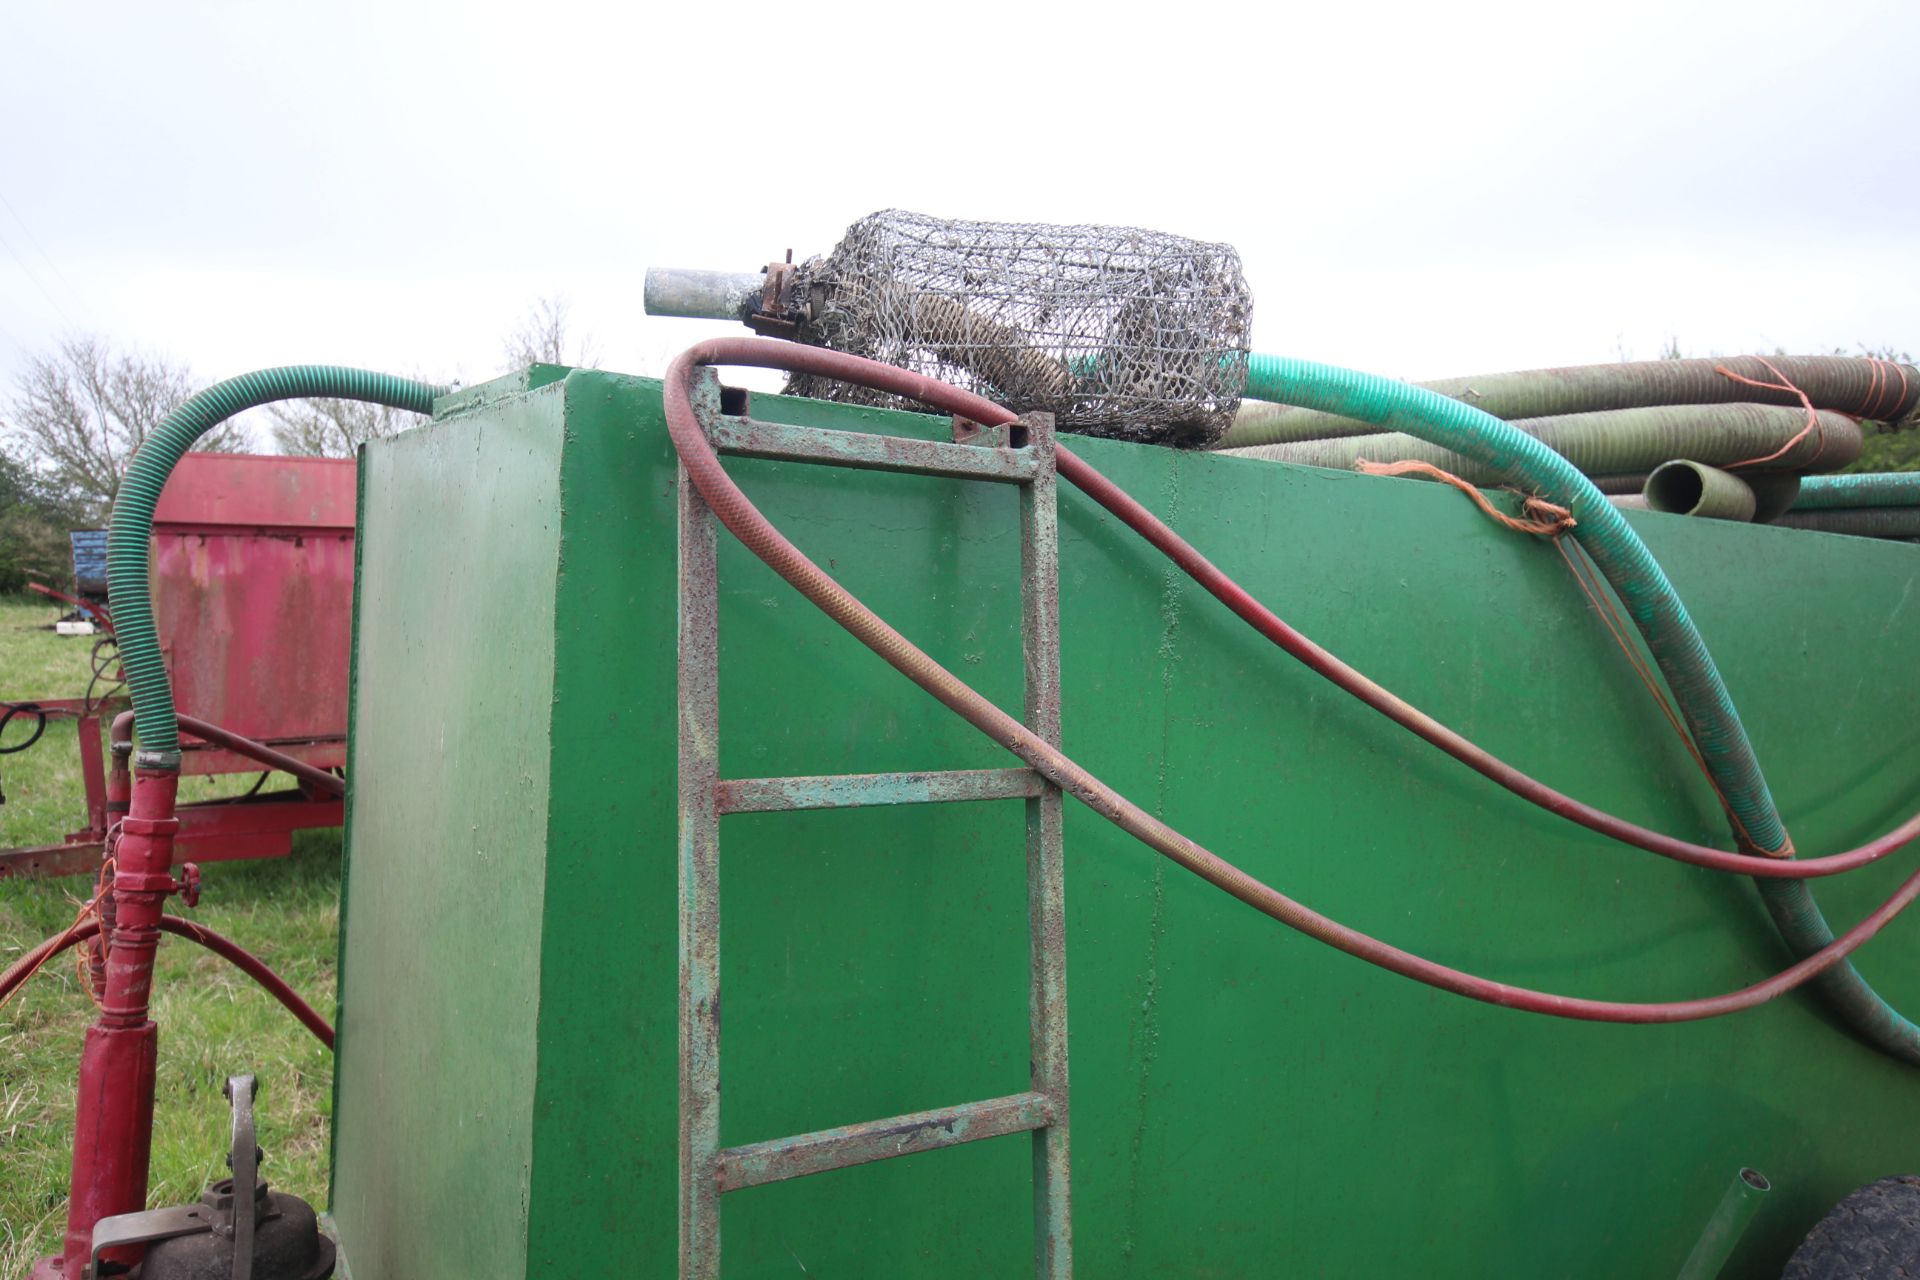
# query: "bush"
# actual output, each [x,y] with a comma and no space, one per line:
[34,523]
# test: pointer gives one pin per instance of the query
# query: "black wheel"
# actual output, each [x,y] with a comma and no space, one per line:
[1874,1234]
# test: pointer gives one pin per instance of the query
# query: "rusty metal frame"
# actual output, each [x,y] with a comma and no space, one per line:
[855,790]
[259,826]
[1024,455]
[212,831]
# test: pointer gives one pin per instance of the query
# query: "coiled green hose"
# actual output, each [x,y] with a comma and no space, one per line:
[1879,389]
[1516,458]
[132,526]
[1872,489]
[1619,441]
[1860,522]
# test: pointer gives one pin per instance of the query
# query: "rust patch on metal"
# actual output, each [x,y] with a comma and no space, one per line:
[856,790]
[746,438]
[810,1153]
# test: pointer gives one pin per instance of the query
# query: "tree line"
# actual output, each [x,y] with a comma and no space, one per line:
[77,412]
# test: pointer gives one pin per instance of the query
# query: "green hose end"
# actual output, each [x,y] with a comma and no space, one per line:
[1695,489]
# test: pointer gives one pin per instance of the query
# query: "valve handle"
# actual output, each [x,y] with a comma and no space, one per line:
[244,1160]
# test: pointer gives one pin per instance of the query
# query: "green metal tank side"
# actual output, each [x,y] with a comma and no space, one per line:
[440,967]
[1240,1095]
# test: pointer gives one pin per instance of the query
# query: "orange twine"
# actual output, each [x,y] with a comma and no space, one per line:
[1882,385]
[1545,519]
[89,907]
[1550,520]
[1806,402]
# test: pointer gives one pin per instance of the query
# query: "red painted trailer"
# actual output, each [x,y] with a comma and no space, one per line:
[253,559]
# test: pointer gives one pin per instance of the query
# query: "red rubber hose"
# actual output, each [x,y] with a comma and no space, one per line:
[703,469]
[20,970]
[1409,717]
[312,775]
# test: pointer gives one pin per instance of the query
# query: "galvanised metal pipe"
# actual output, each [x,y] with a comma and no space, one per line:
[1519,459]
[1861,387]
[224,947]
[1614,443]
[701,467]
[1729,1223]
[1687,488]
[314,776]
[1861,522]
[702,295]
[1871,489]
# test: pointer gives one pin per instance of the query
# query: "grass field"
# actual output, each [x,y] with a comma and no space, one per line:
[213,1022]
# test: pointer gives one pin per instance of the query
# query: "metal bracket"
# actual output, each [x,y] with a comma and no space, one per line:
[774,318]
[967,431]
[124,1229]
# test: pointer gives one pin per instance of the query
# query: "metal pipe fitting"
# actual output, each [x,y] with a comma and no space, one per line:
[1728,1224]
[702,295]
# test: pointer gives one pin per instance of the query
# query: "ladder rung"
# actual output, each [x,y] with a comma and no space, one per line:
[748,438]
[854,790]
[796,1157]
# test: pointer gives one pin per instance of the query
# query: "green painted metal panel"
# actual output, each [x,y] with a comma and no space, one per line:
[1244,1101]
[439,984]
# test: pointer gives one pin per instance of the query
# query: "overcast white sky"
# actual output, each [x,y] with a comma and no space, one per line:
[1417,189]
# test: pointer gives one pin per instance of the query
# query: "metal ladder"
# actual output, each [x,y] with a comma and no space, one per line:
[1021,454]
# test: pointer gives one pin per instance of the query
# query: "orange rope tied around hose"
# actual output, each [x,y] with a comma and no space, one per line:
[1900,369]
[1876,404]
[1806,402]
[1544,519]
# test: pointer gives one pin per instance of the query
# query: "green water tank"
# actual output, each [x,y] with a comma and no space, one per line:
[1245,1102]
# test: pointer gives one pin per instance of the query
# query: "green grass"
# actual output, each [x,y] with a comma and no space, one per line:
[213,1021]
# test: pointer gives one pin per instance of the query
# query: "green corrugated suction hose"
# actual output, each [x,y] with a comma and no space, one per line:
[1620,441]
[132,526]
[1868,489]
[1877,389]
[1688,488]
[1859,522]
[1516,458]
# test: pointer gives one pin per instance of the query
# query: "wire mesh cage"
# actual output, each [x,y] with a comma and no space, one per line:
[1119,332]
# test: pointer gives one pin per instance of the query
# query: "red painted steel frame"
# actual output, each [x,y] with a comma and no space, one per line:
[98,612]
[215,831]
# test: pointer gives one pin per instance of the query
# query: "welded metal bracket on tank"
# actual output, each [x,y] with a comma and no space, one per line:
[1020,453]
